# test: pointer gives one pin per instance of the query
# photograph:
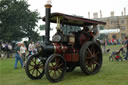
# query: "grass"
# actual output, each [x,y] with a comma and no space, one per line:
[111,73]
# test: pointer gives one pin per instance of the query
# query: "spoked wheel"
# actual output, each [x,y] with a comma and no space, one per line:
[90,58]
[34,67]
[55,68]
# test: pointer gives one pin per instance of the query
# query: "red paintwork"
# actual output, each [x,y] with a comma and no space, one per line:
[83,39]
[85,36]
[71,57]
[59,48]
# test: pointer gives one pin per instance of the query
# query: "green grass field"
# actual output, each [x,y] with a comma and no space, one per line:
[111,73]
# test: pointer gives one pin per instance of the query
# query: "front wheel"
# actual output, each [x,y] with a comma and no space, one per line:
[55,68]
[34,67]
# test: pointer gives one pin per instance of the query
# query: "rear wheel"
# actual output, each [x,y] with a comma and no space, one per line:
[55,68]
[34,67]
[90,58]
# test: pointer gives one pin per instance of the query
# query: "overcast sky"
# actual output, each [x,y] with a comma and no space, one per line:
[82,7]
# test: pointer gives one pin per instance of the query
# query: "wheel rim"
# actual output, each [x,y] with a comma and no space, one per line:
[55,68]
[92,58]
[34,67]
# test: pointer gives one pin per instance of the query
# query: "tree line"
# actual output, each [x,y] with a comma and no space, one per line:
[17,20]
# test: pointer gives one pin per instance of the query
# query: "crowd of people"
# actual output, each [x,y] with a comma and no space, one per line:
[124,42]
[21,51]
[6,49]
[115,41]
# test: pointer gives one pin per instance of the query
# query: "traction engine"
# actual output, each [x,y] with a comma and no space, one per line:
[65,52]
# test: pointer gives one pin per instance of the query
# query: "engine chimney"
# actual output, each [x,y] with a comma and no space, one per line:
[47,20]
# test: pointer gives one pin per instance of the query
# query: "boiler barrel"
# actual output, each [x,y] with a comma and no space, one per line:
[46,50]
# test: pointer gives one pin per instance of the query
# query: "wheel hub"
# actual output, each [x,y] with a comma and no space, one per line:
[36,67]
[93,58]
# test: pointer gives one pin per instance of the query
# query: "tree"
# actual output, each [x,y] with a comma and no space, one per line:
[17,21]
[42,27]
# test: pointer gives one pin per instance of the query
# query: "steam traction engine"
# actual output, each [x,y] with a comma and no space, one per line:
[65,52]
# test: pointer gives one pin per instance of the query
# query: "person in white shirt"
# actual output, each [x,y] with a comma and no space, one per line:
[3,46]
[9,46]
[23,52]
[31,48]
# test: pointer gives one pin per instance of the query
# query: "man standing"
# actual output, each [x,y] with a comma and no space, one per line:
[18,56]
[126,45]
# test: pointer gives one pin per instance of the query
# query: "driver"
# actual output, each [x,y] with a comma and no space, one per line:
[95,30]
[87,34]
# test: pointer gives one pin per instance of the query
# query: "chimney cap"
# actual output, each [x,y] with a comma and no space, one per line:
[49,2]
